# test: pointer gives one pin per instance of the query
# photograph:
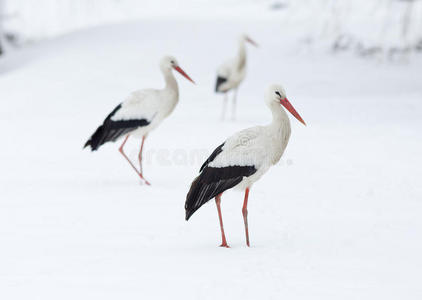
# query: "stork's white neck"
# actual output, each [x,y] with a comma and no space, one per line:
[170,80]
[241,55]
[280,119]
[278,131]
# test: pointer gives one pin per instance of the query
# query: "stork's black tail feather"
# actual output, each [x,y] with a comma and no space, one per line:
[112,130]
[95,140]
[212,182]
[220,81]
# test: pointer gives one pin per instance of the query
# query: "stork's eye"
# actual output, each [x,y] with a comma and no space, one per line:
[172,62]
[278,93]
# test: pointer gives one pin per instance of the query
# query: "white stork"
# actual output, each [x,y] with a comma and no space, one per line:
[141,112]
[243,158]
[231,74]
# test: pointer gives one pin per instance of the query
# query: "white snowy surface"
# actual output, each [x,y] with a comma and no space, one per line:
[338,218]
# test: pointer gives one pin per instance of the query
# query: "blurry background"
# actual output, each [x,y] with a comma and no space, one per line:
[366,27]
[338,218]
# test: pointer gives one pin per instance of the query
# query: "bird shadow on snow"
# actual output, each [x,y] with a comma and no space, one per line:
[235,247]
[109,183]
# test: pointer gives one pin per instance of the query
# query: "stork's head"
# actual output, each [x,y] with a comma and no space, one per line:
[246,38]
[169,62]
[276,96]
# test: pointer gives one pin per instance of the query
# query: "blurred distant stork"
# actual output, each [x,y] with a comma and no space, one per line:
[231,74]
[141,112]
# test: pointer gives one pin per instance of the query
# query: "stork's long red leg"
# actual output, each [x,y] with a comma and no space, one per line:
[127,158]
[140,161]
[245,215]
[223,236]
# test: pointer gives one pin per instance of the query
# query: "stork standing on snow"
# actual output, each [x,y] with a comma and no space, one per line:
[243,158]
[141,112]
[231,74]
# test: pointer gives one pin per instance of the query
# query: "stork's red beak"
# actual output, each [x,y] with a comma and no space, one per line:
[285,102]
[251,41]
[179,69]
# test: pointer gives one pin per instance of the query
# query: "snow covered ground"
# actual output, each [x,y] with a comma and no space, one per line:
[338,218]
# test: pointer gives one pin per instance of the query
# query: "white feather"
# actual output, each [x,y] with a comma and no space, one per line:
[154,105]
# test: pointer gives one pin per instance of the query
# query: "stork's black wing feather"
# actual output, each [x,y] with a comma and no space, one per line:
[111,130]
[213,155]
[212,182]
[220,81]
